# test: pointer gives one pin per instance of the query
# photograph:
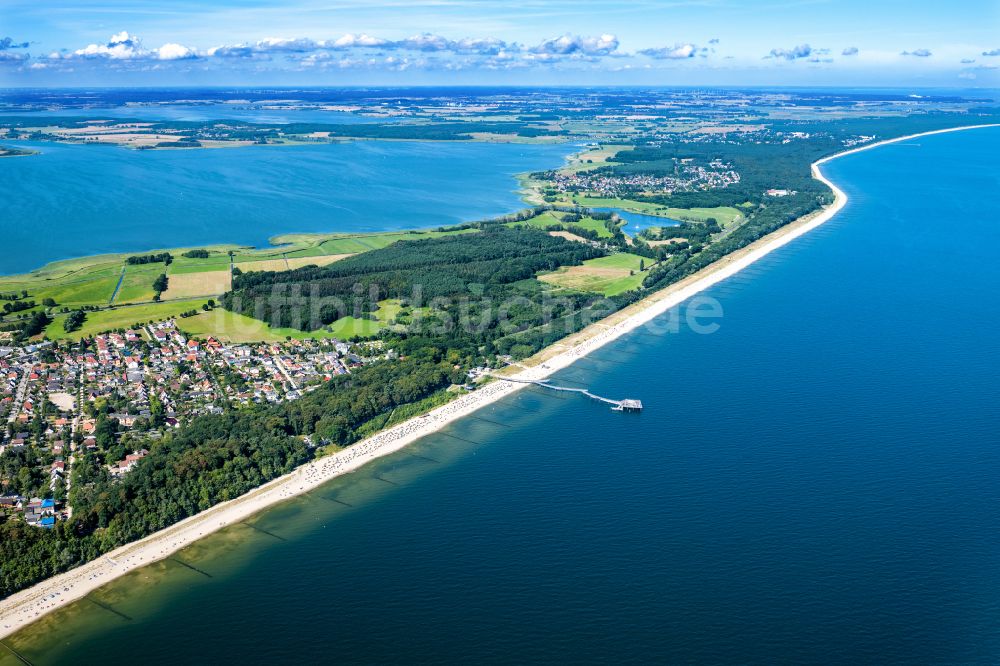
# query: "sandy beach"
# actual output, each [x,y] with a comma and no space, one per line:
[23,608]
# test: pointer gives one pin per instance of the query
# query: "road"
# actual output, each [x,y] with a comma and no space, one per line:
[22,389]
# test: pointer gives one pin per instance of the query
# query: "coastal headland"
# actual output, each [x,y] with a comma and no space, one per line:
[23,608]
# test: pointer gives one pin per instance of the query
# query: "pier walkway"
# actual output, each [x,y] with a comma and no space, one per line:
[627,404]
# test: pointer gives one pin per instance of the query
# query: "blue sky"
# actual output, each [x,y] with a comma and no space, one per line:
[532,42]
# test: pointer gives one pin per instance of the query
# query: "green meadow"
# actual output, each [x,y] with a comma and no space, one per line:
[126,316]
[232,327]
[550,218]
[611,275]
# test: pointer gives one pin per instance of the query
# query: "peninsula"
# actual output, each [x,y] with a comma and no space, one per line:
[28,605]
[157,395]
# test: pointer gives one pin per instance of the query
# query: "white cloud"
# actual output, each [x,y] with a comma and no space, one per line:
[676,52]
[428,50]
[262,49]
[485,46]
[575,44]
[175,52]
[850,51]
[424,42]
[992,52]
[352,41]
[919,53]
[794,53]
[284,45]
[121,46]
[234,51]
[124,46]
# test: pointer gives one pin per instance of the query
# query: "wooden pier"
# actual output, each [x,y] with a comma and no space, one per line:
[626,405]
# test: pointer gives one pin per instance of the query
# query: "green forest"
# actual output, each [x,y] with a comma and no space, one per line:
[485,277]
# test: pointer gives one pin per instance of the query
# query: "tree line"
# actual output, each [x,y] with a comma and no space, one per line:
[156,258]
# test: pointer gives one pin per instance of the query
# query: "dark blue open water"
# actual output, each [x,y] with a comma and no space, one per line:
[816,482]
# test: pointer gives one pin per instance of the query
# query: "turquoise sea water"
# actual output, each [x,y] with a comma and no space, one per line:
[77,200]
[816,482]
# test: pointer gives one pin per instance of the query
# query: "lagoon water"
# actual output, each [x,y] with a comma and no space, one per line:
[636,222]
[76,200]
[816,482]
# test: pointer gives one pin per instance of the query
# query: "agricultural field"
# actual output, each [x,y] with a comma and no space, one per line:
[91,281]
[190,285]
[313,251]
[289,263]
[611,275]
[216,261]
[137,285]
[280,264]
[568,236]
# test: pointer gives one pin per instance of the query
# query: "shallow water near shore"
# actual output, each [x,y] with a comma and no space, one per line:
[818,481]
[74,200]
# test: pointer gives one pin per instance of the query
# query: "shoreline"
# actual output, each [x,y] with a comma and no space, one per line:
[25,607]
